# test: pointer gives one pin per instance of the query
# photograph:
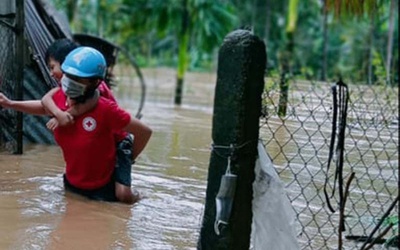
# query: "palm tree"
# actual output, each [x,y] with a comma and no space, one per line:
[287,55]
[206,22]
[370,7]
[390,41]
[71,7]
[352,7]
[192,24]
[325,42]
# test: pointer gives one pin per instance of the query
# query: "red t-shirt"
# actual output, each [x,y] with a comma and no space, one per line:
[106,92]
[88,145]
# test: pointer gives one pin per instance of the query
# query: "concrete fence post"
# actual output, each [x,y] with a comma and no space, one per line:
[235,133]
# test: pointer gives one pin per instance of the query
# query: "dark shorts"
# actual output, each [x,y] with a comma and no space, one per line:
[122,174]
[104,193]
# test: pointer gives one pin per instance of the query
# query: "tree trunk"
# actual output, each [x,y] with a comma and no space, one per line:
[287,57]
[99,20]
[178,91]
[182,53]
[325,42]
[71,8]
[370,72]
[267,22]
[390,42]
[254,13]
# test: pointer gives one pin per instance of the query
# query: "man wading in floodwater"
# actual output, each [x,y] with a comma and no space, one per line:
[88,144]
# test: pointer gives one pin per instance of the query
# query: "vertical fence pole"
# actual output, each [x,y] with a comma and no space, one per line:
[237,109]
[19,68]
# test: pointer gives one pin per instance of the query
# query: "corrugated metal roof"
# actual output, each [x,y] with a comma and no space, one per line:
[7,7]
[35,130]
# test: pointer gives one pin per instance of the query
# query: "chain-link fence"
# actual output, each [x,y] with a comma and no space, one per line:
[299,145]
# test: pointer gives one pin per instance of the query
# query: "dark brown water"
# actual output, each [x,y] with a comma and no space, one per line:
[36,213]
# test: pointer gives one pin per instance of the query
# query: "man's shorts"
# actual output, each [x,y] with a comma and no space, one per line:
[122,174]
[104,193]
[123,166]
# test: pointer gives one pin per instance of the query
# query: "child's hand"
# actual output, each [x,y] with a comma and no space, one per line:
[52,124]
[64,118]
[4,101]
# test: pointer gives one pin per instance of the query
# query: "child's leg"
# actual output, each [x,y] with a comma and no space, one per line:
[123,168]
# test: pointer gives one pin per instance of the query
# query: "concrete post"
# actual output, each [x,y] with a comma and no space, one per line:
[237,109]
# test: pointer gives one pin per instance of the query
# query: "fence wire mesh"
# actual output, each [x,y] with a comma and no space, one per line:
[8,61]
[298,144]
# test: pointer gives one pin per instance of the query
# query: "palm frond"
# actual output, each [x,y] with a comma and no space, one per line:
[352,7]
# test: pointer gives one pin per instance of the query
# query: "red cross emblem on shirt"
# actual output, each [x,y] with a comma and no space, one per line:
[89,123]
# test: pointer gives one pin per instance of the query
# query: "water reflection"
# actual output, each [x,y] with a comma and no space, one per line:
[90,225]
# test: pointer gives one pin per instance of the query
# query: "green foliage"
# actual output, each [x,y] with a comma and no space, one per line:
[270,84]
[150,30]
[379,67]
[394,239]
[392,220]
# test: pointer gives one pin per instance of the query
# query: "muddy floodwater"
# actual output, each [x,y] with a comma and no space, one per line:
[36,213]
